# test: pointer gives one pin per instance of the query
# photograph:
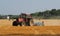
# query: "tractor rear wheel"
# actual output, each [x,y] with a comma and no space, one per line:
[15,23]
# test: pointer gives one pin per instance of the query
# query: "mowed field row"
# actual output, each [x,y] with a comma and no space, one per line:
[30,30]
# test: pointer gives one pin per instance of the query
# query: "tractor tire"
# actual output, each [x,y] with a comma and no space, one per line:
[20,23]
[15,23]
[27,23]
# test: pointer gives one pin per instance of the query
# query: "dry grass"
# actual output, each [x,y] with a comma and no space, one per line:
[7,28]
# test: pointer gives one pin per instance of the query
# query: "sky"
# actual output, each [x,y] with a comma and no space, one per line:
[27,6]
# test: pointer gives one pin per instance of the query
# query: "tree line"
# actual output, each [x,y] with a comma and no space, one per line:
[48,14]
[11,16]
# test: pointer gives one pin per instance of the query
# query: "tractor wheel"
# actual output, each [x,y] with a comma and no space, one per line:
[15,23]
[23,23]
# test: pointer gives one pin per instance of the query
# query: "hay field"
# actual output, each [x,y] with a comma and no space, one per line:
[52,26]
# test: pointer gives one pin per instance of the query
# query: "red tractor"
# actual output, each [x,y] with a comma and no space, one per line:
[23,19]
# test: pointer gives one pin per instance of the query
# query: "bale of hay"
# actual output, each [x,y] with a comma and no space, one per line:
[38,24]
